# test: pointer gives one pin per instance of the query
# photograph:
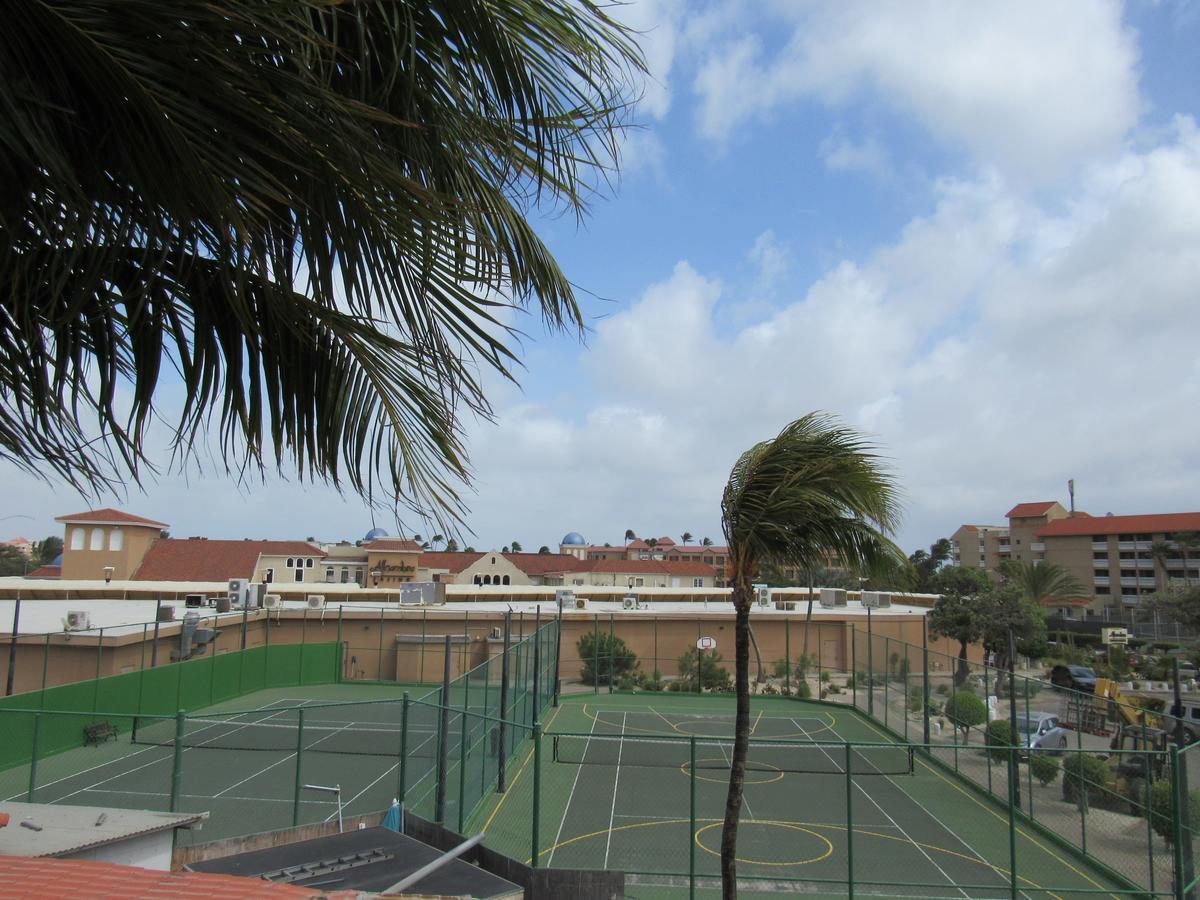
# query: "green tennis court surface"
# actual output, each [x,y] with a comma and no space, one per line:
[616,792]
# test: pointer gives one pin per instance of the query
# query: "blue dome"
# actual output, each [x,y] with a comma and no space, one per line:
[573,537]
[375,533]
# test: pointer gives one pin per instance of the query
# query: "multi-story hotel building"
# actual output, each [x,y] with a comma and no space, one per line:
[1119,559]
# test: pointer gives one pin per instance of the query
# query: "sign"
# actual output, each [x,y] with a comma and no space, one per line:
[1114,635]
[706,643]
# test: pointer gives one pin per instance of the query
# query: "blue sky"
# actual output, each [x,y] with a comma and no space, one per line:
[971,231]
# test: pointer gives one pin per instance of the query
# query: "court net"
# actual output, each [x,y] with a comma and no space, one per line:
[355,738]
[763,756]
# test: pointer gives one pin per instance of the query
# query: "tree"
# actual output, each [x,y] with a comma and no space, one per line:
[965,710]
[49,549]
[924,565]
[313,215]
[516,546]
[602,653]
[543,550]
[956,614]
[469,549]
[630,535]
[1187,542]
[651,542]
[1180,604]
[13,561]
[814,489]
[685,537]
[435,540]
[1042,582]
[451,545]
[1161,551]
[713,675]
[707,542]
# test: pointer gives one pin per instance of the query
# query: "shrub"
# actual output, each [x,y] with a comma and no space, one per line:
[1161,805]
[825,676]
[602,654]
[779,669]
[1082,770]
[916,699]
[833,689]
[712,676]
[1044,767]
[966,710]
[942,689]
[1000,736]
[803,691]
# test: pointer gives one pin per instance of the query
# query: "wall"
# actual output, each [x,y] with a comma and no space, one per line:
[89,564]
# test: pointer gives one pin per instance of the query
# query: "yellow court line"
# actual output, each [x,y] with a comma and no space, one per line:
[1004,819]
[595,717]
[513,783]
[858,831]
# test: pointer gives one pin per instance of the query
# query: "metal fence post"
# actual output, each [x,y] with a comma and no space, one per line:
[612,648]
[1013,780]
[925,680]
[787,657]
[849,822]
[537,789]
[558,654]
[853,667]
[340,649]
[537,664]
[403,785]
[33,755]
[596,654]
[177,762]
[692,820]
[462,753]
[299,768]
[500,774]
[439,814]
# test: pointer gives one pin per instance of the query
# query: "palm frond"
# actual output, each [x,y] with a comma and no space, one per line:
[316,212]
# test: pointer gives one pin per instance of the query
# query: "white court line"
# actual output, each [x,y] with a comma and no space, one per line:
[571,796]
[728,759]
[391,769]
[879,807]
[616,782]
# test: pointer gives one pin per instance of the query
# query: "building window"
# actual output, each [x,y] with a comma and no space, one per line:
[291,562]
[478,579]
[506,579]
[329,575]
[116,539]
[697,582]
[308,563]
[639,582]
[97,541]
[298,574]
[345,575]
[1102,590]
[269,576]
[578,582]
[493,560]
[76,538]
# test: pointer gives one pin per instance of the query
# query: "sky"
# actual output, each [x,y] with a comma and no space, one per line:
[970,231]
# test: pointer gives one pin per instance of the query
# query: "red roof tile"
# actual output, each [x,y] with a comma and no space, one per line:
[39,877]
[447,559]
[1157,523]
[46,572]
[176,559]
[646,567]
[700,548]
[1030,509]
[534,564]
[396,545]
[109,515]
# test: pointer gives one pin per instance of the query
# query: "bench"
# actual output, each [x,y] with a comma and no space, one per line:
[101,731]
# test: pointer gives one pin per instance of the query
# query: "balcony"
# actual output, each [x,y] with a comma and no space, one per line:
[1131,545]
[1101,581]
[1038,547]
[1099,545]
[1138,582]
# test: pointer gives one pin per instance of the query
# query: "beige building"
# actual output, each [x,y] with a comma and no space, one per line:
[1119,559]
[106,543]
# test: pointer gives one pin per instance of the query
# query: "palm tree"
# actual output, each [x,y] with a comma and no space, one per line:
[436,539]
[707,542]
[452,545]
[1161,551]
[630,535]
[304,212]
[685,537]
[814,489]
[1187,542]
[1044,582]
[651,542]
[516,546]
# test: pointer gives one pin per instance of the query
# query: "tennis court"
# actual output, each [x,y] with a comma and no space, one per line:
[616,791]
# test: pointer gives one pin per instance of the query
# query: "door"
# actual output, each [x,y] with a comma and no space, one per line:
[831,655]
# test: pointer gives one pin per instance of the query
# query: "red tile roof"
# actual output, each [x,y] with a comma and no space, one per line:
[1030,509]
[1158,523]
[640,544]
[46,572]
[39,877]
[447,559]
[199,559]
[536,564]
[109,516]
[646,567]
[393,545]
[700,548]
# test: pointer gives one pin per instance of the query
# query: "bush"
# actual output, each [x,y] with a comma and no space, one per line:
[833,689]
[602,654]
[825,676]
[1044,767]
[803,691]
[966,710]
[942,689]
[1000,736]
[779,669]
[1082,770]
[712,676]
[916,699]
[1161,804]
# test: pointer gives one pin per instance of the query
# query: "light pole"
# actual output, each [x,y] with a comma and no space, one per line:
[862,584]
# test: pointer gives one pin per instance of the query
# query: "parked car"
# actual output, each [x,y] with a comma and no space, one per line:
[1076,678]
[1040,731]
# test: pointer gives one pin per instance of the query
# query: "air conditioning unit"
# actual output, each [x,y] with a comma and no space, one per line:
[564,598]
[78,620]
[272,601]
[875,599]
[316,601]
[238,590]
[193,601]
[166,613]
[762,596]
[630,601]
[581,602]
[833,598]
[643,604]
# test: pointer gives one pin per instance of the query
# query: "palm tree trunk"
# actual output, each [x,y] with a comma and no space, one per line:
[807,621]
[741,740]
[960,677]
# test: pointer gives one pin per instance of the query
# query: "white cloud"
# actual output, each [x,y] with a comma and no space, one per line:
[844,155]
[1028,86]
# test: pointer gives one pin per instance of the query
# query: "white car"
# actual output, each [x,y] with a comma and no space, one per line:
[1040,731]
